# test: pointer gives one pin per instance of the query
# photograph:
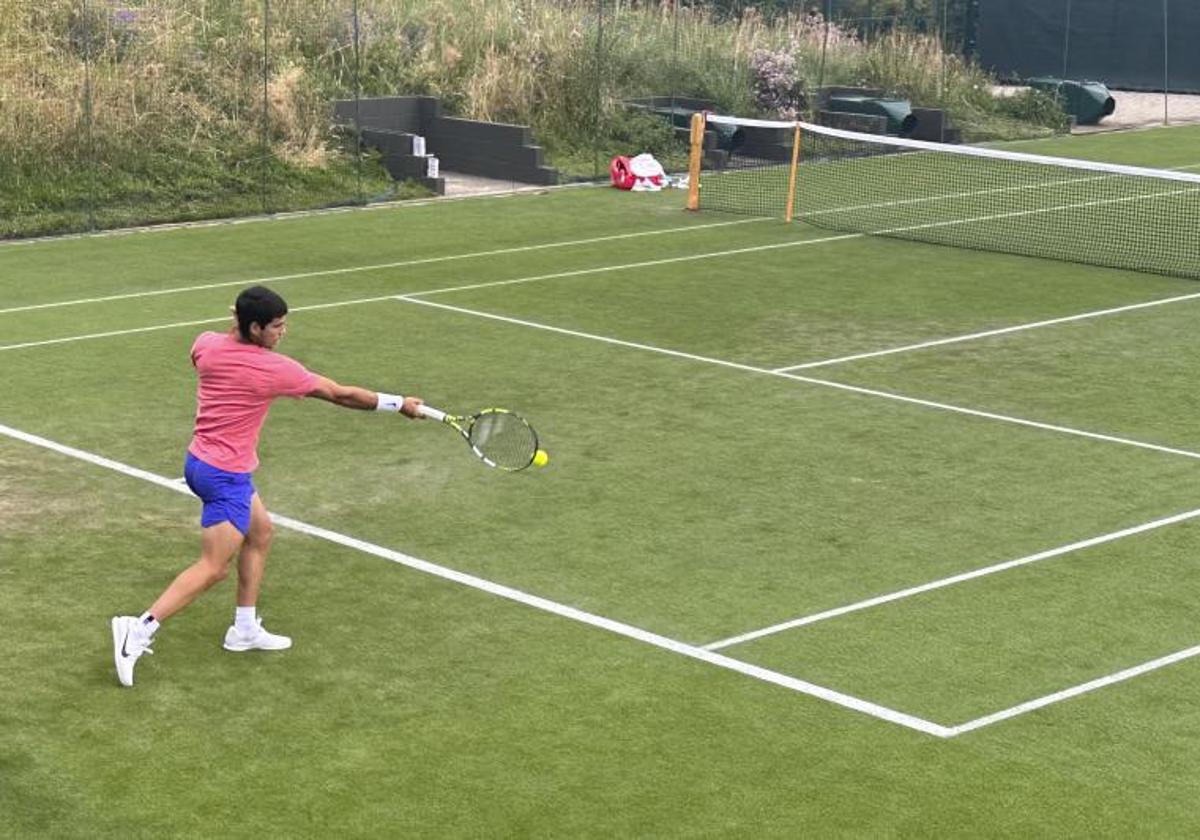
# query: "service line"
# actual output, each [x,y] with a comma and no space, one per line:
[1074,691]
[826,383]
[951,581]
[941,342]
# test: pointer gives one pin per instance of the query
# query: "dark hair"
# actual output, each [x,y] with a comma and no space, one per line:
[258,305]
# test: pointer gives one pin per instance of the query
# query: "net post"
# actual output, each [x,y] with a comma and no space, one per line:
[694,158]
[791,190]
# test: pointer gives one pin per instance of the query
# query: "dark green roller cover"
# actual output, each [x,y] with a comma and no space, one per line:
[729,137]
[900,119]
[1088,102]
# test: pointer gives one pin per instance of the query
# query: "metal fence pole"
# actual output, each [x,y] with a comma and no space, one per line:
[942,58]
[1067,40]
[674,56]
[824,44]
[266,25]
[1166,68]
[89,146]
[358,158]
[596,105]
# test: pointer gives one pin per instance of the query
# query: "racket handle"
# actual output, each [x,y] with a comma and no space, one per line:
[431,412]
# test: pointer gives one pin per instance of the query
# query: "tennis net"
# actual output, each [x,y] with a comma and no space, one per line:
[1058,208]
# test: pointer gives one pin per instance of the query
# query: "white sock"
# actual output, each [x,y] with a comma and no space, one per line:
[147,624]
[245,619]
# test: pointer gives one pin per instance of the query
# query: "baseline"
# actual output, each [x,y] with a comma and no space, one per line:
[537,602]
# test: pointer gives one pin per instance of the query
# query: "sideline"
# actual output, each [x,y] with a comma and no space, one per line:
[953,579]
[329,272]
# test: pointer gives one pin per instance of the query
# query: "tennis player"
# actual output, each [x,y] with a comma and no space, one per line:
[239,375]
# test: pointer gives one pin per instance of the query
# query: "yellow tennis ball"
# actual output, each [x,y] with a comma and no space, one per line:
[540,458]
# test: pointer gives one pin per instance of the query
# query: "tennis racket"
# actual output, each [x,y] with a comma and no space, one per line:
[498,437]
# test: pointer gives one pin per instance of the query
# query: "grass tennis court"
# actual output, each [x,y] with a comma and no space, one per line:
[820,550]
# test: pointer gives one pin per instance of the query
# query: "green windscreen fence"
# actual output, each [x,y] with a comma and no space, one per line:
[1127,44]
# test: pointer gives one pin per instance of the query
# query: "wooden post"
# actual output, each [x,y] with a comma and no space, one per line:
[791,193]
[694,160]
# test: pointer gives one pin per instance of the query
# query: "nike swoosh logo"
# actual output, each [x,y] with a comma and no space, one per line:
[125,653]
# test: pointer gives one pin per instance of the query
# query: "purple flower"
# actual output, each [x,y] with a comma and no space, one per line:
[778,88]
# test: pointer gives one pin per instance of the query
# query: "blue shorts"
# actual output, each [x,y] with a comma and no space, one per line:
[226,495]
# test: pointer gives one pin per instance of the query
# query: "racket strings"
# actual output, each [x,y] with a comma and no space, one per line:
[505,439]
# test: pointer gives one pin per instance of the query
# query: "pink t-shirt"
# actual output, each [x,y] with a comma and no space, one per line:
[237,383]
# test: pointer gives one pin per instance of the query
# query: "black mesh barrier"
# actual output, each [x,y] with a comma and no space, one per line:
[747,166]
[1055,208]
[1076,211]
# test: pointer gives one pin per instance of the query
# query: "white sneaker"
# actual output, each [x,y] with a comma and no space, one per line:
[259,639]
[128,645]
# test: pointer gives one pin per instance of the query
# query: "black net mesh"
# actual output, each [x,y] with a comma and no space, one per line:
[1056,208]
[1060,209]
[749,162]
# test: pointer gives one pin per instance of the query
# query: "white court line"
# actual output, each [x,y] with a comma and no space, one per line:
[629,631]
[375,267]
[756,248]
[952,580]
[708,255]
[578,273]
[971,194]
[157,327]
[287,215]
[840,386]
[605,269]
[650,348]
[1074,691]
[941,342]
[988,719]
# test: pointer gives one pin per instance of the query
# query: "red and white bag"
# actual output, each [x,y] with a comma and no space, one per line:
[620,174]
[648,173]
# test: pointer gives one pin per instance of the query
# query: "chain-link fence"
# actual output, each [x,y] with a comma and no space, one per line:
[120,112]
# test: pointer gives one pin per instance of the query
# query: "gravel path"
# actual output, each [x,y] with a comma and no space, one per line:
[1136,110]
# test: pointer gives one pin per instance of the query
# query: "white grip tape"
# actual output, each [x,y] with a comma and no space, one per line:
[431,412]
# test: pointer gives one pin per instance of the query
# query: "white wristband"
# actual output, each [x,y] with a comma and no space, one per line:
[389,402]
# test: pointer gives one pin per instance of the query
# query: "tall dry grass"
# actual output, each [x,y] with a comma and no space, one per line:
[121,77]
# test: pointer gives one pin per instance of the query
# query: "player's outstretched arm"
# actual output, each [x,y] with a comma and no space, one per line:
[351,396]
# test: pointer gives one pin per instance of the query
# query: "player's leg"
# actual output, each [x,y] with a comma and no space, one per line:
[252,561]
[132,635]
[247,632]
[225,522]
[218,544]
